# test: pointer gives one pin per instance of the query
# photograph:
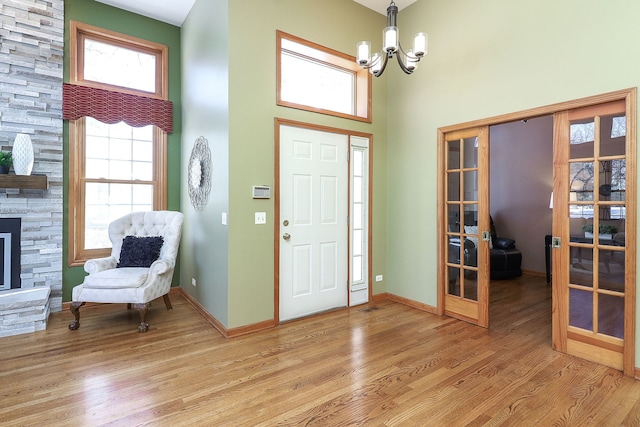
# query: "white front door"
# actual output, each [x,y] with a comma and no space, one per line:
[313,221]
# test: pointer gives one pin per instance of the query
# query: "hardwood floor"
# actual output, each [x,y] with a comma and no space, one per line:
[386,365]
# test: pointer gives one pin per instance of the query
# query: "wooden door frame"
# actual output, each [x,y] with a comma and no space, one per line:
[630,97]
[276,201]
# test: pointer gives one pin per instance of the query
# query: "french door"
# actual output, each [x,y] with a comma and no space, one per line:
[594,234]
[465,231]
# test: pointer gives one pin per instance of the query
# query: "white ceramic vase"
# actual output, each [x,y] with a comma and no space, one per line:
[22,153]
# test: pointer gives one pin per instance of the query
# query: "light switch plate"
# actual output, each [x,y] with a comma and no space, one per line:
[261,217]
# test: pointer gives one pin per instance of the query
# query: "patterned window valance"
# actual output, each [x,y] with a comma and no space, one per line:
[113,107]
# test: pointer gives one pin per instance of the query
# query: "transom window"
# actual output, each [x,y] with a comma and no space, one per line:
[115,168]
[315,78]
[137,72]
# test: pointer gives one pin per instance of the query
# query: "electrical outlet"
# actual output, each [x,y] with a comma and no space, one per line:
[193,281]
[261,217]
[379,278]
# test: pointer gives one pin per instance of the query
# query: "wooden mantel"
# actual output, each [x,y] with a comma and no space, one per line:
[31,182]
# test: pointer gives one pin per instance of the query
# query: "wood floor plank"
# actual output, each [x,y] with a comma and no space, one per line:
[380,365]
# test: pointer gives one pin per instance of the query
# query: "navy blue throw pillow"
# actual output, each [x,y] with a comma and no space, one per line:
[140,251]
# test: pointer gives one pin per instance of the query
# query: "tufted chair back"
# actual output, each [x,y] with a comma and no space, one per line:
[167,224]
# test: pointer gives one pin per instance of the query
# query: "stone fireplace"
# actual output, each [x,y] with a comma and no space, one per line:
[31,67]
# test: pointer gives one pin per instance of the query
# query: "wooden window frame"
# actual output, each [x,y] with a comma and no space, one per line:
[80,32]
[335,59]
[77,254]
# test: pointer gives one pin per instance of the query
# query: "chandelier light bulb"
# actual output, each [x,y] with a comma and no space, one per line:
[376,63]
[390,35]
[364,52]
[420,44]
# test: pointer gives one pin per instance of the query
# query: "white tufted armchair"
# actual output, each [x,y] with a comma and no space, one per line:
[106,283]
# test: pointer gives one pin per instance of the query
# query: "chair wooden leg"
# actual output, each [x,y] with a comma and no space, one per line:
[167,302]
[75,309]
[142,309]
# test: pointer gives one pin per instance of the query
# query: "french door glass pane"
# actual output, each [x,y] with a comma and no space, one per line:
[581,309]
[470,186]
[610,321]
[581,175]
[453,218]
[612,135]
[453,155]
[581,268]
[453,186]
[471,152]
[470,285]
[611,270]
[582,138]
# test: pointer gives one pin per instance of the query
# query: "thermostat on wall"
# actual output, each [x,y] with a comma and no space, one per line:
[261,192]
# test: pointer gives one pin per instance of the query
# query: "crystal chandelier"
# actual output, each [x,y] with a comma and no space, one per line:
[391,45]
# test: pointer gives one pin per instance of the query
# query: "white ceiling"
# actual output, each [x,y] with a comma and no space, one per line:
[381,6]
[176,11]
[171,11]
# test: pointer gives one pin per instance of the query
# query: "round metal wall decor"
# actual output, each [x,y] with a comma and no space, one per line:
[199,178]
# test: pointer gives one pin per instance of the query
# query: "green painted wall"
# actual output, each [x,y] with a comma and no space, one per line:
[246,284]
[100,15]
[488,58]
[205,71]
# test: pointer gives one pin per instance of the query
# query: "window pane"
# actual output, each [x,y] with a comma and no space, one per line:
[317,84]
[357,242]
[357,268]
[357,162]
[357,190]
[119,149]
[97,146]
[142,151]
[112,153]
[142,171]
[116,65]
[357,216]
[106,202]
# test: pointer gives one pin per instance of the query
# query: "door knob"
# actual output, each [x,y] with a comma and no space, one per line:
[286,236]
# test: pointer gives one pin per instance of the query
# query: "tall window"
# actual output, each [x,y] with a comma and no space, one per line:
[115,168]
